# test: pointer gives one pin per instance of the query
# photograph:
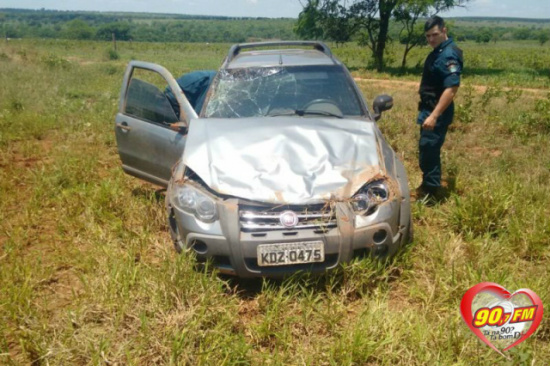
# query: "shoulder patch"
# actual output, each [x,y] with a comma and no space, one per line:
[452,66]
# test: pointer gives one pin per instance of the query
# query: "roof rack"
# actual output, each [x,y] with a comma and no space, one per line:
[236,49]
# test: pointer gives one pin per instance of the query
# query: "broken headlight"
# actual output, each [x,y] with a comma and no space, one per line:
[193,201]
[369,197]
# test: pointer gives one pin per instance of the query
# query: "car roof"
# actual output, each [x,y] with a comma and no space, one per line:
[282,57]
[279,53]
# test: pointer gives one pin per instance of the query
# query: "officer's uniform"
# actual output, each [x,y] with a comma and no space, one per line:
[442,70]
[194,86]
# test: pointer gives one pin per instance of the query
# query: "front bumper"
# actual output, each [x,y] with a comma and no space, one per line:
[234,251]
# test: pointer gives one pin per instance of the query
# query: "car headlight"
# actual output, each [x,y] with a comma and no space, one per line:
[193,201]
[369,197]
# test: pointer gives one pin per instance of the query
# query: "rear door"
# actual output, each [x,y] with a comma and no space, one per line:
[151,123]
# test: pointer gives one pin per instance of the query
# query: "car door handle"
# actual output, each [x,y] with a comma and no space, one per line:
[123,126]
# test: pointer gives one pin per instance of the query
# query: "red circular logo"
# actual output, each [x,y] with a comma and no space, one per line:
[288,219]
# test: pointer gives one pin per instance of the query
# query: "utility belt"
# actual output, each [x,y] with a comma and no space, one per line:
[428,101]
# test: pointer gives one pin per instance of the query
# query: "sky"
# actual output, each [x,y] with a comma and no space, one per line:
[267,8]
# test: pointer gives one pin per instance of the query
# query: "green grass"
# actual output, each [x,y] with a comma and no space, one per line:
[88,275]
[504,64]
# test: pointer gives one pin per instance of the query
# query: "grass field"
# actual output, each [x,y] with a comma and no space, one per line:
[88,275]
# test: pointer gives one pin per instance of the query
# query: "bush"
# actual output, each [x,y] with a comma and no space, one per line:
[54,61]
[112,54]
[465,110]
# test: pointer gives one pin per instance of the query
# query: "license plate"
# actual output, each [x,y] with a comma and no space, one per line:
[290,253]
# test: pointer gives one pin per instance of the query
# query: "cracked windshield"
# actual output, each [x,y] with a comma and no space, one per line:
[276,91]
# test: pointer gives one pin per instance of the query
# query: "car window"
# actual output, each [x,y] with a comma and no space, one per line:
[145,100]
[254,92]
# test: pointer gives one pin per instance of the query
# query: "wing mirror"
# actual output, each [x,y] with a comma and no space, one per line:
[381,103]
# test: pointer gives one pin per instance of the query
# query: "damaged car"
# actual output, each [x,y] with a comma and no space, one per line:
[283,169]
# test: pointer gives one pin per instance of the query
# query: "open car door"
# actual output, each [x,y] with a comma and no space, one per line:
[151,123]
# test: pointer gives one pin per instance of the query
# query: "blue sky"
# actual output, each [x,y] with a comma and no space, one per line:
[266,8]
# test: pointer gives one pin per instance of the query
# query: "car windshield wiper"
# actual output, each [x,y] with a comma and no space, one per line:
[301,112]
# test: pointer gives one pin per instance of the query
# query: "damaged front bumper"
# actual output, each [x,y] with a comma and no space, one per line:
[232,241]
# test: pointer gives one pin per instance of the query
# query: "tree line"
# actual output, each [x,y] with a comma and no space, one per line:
[371,23]
[485,34]
[18,23]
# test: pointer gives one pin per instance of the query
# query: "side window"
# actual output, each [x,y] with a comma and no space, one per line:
[147,99]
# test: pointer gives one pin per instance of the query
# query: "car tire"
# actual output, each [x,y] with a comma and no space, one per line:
[408,236]
[410,232]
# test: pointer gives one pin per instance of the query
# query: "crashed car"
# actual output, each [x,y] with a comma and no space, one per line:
[284,169]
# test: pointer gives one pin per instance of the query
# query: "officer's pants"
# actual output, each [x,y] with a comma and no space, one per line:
[429,148]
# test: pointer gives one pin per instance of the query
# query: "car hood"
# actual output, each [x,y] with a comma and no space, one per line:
[283,160]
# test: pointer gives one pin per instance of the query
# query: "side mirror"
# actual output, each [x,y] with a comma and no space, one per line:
[381,103]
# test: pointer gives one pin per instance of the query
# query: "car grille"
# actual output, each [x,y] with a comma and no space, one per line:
[261,219]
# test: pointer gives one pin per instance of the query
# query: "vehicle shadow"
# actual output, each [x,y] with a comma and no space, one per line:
[353,281]
[156,195]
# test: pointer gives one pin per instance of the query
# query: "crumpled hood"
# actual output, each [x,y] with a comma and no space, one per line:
[283,160]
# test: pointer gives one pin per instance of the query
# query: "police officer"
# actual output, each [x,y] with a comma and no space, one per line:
[194,86]
[439,85]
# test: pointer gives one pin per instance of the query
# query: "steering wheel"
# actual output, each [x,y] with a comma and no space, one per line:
[323,105]
[320,101]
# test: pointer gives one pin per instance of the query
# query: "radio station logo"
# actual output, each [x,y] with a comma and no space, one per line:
[499,318]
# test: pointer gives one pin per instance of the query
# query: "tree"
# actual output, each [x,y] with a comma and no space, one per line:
[326,19]
[9,31]
[411,33]
[543,37]
[408,12]
[372,19]
[336,22]
[308,25]
[484,35]
[78,29]
[121,31]
[522,33]
[340,20]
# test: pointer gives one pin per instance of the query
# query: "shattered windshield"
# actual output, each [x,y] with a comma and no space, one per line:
[272,91]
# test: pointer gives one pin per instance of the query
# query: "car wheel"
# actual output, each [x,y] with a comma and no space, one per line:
[408,236]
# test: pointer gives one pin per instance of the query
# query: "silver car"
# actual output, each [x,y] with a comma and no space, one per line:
[284,169]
